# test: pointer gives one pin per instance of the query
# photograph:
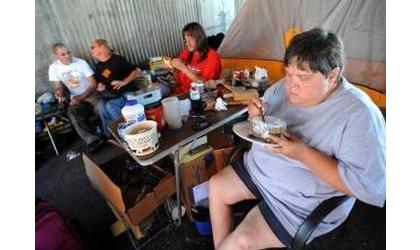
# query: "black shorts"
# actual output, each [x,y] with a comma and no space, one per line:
[270,218]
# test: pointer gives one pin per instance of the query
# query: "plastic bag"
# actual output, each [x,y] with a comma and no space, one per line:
[70,155]
[47,97]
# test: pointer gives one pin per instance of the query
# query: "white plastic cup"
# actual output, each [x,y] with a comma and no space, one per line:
[172,112]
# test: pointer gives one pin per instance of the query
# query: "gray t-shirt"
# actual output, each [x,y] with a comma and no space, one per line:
[347,126]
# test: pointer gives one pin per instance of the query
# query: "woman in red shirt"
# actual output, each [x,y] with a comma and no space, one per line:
[197,61]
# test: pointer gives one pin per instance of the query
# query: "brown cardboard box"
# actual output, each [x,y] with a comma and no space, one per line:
[192,174]
[222,146]
[200,170]
[164,190]
[101,179]
[221,157]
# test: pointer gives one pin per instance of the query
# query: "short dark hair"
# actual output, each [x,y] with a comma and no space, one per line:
[197,32]
[319,49]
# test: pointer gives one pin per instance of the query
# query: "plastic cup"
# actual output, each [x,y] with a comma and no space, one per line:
[172,112]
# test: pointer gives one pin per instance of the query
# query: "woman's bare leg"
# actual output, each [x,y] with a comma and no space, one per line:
[225,189]
[252,233]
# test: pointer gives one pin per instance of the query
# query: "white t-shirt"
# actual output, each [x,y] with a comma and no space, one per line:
[74,75]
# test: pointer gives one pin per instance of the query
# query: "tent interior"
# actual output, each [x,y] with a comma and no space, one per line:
[262,30]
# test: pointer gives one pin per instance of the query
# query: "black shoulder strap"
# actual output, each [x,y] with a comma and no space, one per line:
[311,222]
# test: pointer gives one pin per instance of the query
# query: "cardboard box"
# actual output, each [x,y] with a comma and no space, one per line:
[193,173]
[201,169]
[164,190]
[221,157]
[101,178]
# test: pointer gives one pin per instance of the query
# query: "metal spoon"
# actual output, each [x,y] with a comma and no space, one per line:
[262,109]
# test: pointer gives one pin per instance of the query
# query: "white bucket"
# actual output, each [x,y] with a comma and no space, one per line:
[142,137]
[133,112]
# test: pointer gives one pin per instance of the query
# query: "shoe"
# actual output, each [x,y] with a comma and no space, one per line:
[91,147]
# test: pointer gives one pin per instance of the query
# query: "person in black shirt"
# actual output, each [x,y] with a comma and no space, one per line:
[115,76]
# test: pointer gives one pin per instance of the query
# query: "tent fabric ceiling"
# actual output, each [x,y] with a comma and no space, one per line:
[261,28]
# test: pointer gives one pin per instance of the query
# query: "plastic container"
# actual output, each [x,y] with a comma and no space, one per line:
[203,227]
[172,112]
[133,112]
[270,126]
[142,137]
[38,126]
[201,217]
[45,106]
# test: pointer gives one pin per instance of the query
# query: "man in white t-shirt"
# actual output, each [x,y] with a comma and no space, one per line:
[75,75]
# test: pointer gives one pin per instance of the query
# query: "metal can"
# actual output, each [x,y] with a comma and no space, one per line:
[154,111]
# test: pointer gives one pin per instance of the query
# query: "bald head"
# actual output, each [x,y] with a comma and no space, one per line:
[61,53]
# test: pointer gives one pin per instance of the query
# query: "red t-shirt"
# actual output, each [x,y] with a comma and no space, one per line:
[208,69]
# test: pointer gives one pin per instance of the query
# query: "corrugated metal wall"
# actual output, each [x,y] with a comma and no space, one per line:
[137,29]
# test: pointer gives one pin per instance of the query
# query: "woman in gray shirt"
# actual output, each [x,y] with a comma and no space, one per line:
[334,145]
